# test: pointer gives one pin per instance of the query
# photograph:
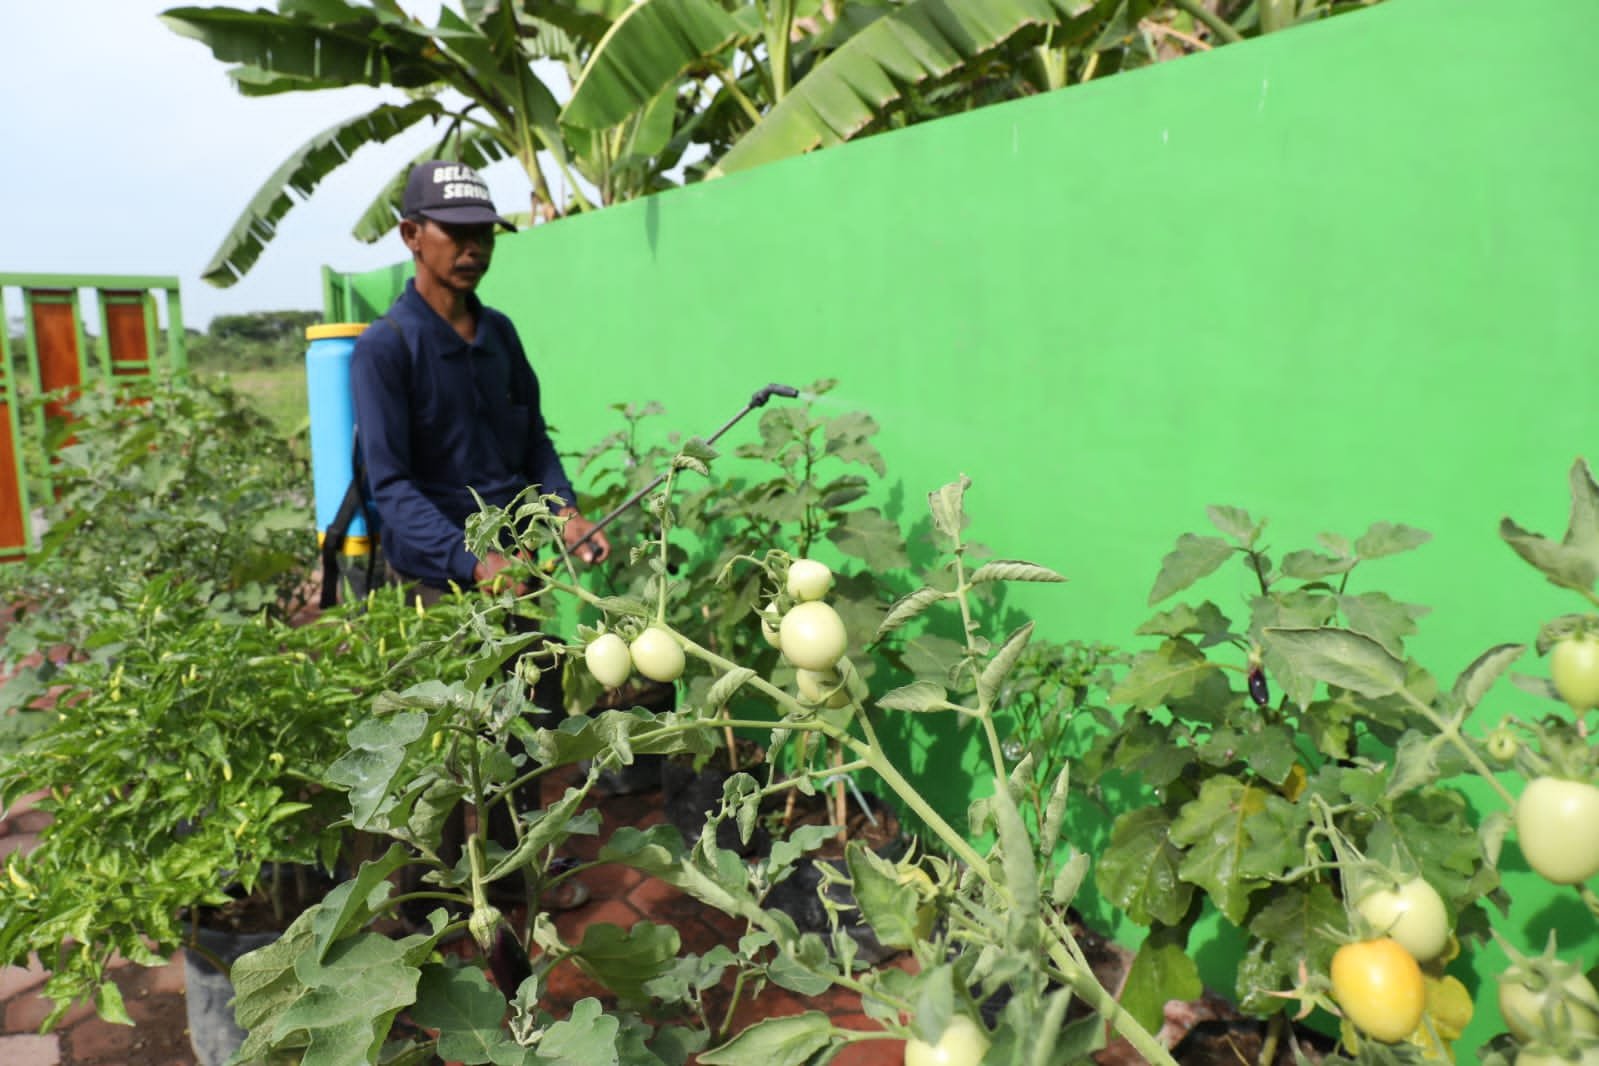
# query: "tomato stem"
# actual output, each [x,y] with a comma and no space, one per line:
[1451,732]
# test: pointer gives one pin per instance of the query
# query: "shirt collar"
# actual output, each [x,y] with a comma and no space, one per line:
[445,340]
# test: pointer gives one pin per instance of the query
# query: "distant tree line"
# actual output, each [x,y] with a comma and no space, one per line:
[255,340]
[252,341]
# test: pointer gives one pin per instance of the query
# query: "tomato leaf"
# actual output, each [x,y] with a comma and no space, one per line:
[1312,566]
[948,507]
[1384,619]
[1194,558]
[1415,763]
[1236,523]
[1387,538]
[1138,872]
[888,906]
[1000,666]
[1169,672]
[916,696]
[1068,879]
[1206,621]
[1292,929]
[1300,609]
[710,875]
[728,684]
[1582,532]
[1340,657]
[1566,565]
[1214,830]
[788,1041]
[1475,680]
[907,608]
[1012,570]
[1019,869]
[868,536]
[1161,971]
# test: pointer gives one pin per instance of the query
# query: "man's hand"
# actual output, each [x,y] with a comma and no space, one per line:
[577,527]
[487,571]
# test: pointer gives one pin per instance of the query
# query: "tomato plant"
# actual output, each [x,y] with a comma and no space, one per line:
[963,1043]
[1378,986]
[1557,826]
[608,659]
[657,655]
[1411,913]
[1574,669]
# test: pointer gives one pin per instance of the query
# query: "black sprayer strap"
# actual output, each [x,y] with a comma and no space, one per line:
[333,539]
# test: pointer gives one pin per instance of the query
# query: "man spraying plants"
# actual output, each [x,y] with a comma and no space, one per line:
[448,412]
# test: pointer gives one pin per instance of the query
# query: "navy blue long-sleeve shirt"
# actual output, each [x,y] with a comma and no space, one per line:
[438,417]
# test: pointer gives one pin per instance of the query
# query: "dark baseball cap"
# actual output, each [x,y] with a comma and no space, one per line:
[452,193]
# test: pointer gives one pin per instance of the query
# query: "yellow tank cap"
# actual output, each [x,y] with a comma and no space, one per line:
[356,545]
[331,330]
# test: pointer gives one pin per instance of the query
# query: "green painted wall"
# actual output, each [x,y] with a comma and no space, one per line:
[1336,276]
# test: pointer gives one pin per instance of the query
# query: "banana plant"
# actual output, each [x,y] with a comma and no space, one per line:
[666,91]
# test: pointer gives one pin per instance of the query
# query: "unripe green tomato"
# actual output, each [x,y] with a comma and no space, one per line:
[1502,745]
[813,685]
[769,622]
[1550,1011]
[812,636]
[809,580]
[1588,1056]
[1557,826]
[1413,914]
[964,1043]
[608,660]
[1574,668]
[657,655]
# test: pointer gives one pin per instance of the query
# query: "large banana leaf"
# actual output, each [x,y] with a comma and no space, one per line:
[914,45]
[300,174]
[318,44]
[645,51]
[490,67]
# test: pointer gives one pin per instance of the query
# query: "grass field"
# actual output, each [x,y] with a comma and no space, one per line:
[278,393]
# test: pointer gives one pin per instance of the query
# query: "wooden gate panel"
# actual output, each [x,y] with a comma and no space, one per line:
[55,332]
[128,331]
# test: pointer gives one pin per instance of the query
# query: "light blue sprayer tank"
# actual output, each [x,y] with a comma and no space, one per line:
[327,379]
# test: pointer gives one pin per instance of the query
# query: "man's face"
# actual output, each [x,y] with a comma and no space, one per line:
[453,256]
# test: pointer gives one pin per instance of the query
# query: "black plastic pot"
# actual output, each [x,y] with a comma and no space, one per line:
[689,795]
[800,894]
[208,993]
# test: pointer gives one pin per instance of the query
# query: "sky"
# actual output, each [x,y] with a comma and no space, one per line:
[127,151]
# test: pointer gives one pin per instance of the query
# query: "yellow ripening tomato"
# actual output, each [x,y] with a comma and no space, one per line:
[1379,988]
